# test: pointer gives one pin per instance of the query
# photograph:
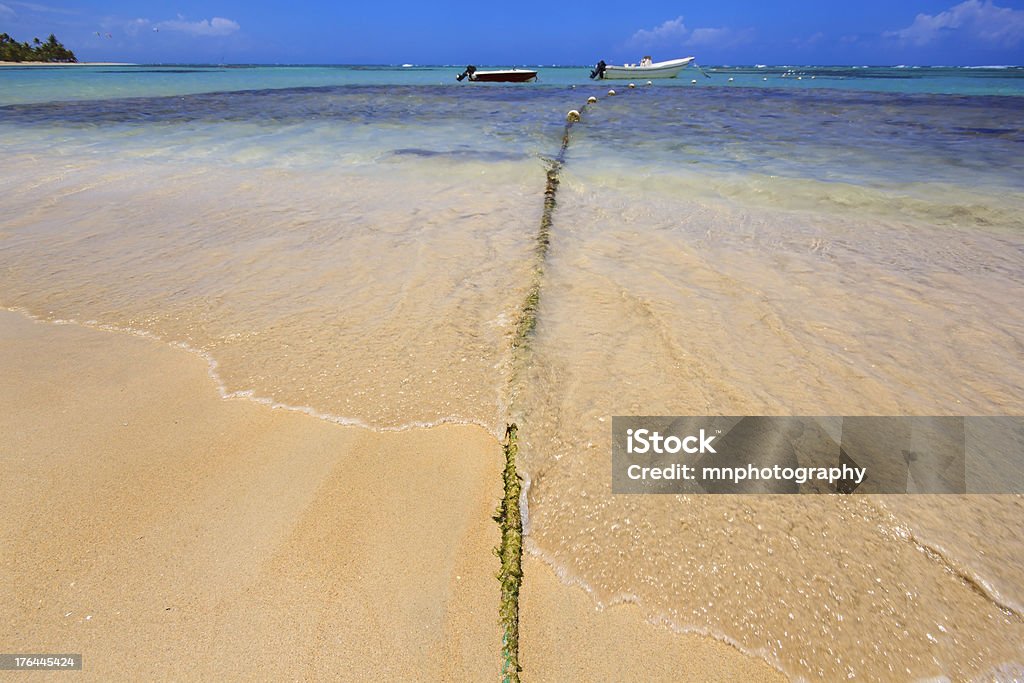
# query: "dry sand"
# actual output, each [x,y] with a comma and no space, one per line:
[165,533]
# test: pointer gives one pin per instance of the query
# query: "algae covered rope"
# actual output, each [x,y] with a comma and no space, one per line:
[509,517]
[510,552]
[528,311]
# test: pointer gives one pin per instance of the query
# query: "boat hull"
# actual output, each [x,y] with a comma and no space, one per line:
[669,69]
[510,76]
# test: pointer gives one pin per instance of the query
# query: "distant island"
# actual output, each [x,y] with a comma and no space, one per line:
[37,51]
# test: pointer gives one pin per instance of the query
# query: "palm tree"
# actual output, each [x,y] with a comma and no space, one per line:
[50,51]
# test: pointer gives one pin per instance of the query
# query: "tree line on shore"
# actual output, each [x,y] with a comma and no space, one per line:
[37,51]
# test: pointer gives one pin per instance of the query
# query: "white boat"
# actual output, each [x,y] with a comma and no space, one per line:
[645,69]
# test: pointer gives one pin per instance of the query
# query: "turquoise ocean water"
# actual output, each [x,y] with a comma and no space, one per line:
[357,243]
[34,84]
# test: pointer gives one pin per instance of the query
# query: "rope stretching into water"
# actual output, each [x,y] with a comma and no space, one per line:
[508,516]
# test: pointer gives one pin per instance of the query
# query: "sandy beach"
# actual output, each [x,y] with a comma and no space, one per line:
[65,63]
[165,533]
[262,330]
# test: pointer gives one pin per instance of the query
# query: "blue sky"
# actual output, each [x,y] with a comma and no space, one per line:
[971,32]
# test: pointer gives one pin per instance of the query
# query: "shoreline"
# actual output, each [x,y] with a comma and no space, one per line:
[68,64]
[298,542]
[566,636]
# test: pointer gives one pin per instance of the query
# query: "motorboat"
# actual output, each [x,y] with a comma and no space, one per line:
[500,76]
[645,69]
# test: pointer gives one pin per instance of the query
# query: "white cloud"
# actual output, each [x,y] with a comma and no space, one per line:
[217,26]
[708,36]
[6,11]
[978,19]
[668,30]
[673,32]
[131,27]
[719,37]
[810,41]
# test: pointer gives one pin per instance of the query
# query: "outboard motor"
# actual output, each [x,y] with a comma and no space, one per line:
[598,71]
[470,70]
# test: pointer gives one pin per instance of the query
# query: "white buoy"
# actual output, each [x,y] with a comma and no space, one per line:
[765,78]
[649,83]
[591,100]
[632,85]
[572,116]
[730,79]
[799,78]
[694,82]
[611,93]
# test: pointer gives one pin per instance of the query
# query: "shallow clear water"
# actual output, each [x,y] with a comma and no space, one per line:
[341,260]
[358,243]
[46,84]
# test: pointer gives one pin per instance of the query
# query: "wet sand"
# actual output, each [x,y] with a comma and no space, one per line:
[166,533]
[565,637]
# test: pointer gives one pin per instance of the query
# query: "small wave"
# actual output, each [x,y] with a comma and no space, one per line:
[160,71]
[957,564]
[212,367]
[461,154]
[659,619]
